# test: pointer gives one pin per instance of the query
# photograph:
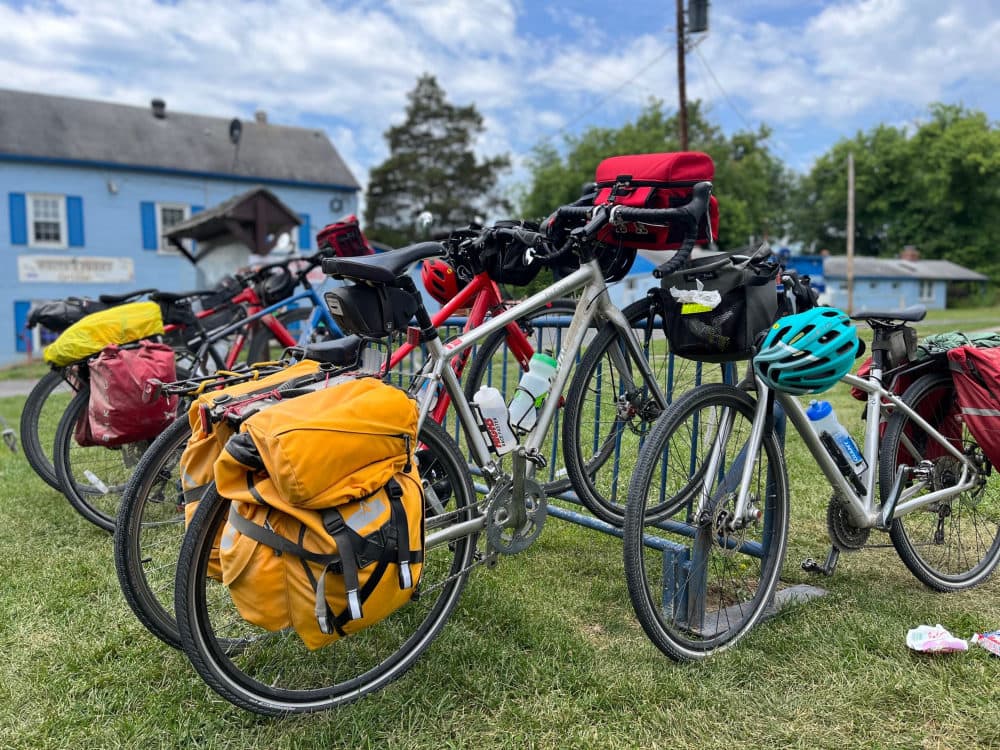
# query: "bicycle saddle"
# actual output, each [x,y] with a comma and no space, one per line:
[911,314]
[117,299]
[383,268]
[339,352]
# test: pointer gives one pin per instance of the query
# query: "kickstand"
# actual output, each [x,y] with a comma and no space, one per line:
[811,566]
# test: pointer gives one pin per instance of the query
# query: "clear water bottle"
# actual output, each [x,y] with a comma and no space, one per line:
[494,420]
[824,421]
[531,391]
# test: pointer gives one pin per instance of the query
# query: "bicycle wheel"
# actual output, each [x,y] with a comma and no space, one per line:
[274,673]
[149,531]
[697,591]
[952,544]
[39,418]
[494,365]
[609,412]
[92,477]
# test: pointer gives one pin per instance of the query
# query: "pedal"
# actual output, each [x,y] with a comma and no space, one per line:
[809,565]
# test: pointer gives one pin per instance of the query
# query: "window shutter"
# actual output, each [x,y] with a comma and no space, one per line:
[18,219]
[197,209]
[305,233]
[74,217]
[21,332]
[149,239]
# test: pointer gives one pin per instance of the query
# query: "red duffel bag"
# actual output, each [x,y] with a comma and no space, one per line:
[976,373]
[655,181]
[120,411]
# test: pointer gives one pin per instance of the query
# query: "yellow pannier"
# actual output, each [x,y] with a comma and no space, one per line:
[116,325]
[326,527]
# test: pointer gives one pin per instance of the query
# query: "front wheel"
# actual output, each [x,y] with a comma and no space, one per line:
[274,673]
[952,544]
[40,417]
[609,410]
[699,583]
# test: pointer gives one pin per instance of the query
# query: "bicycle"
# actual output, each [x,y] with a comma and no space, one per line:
[272,673]
[150,517]
[93,477]
[707,515]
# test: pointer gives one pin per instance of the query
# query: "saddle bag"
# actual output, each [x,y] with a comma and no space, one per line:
[976,373]
[325,533]
[60,314]
[654,181]
[120,409]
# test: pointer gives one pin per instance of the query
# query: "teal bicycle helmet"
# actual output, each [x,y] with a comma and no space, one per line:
[807,352]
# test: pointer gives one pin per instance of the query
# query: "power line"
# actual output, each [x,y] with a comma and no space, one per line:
[708,69]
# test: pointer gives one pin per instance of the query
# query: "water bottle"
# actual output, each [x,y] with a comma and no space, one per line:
[531,391]
[494,420]
[824,421]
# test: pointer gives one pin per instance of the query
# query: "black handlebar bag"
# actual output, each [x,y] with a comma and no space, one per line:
[654,181]
[715,308]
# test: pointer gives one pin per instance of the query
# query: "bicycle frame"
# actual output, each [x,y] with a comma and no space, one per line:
[594,304]
[864,510]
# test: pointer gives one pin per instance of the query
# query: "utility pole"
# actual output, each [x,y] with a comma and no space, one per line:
[850,233]
[682,114]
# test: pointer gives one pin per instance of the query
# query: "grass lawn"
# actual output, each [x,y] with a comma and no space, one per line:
[543,652]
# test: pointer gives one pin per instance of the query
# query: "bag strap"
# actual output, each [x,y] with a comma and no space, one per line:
[277,542]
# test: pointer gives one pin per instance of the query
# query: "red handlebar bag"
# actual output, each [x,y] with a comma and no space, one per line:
[654,181]
[121,410]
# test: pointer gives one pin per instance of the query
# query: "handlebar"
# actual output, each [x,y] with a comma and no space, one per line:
[260,272]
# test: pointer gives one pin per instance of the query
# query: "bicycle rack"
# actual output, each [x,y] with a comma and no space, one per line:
[678,560]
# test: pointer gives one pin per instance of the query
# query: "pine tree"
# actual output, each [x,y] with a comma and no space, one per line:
[431,167]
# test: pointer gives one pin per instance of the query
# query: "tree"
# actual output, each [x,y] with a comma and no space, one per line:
[936,187]
[751,184]
[431,167]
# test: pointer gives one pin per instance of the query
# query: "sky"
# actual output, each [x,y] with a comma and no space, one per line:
[814,72]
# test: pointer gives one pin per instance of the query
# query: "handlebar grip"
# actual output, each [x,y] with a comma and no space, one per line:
[677,261]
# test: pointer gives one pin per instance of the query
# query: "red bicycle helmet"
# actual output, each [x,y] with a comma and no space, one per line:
[440,279]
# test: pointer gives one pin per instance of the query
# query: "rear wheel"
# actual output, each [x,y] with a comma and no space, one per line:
[697,581]
[92,477]
[40,417]
[952,544]
[274,673]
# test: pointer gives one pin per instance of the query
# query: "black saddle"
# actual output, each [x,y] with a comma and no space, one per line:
[911,314]
[338,352]
[383,268]
[117,299]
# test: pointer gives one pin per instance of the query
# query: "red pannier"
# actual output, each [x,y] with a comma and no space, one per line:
[976,373]
[121,410]
[655,181]
[344,238]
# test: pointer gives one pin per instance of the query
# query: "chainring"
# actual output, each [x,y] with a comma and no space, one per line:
[501,536]
[844,535]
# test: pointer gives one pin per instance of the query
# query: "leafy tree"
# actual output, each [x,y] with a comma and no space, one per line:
[937,187]
[431,167]
[751,184]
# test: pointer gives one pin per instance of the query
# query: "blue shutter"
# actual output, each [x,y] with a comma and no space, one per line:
[197,209]
[18,220]
[21,334]
[149,239]
[305,232]
[74,217]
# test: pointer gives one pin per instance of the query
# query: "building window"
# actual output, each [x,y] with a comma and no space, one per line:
[169,215]
[46,220]
[926,290]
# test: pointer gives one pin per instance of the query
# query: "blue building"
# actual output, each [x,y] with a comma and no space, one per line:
[88,189]
[890,283]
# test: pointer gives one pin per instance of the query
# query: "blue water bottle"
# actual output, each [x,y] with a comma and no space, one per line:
[824,421]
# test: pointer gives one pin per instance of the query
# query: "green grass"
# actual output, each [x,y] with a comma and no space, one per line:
[26,370]
[543,652]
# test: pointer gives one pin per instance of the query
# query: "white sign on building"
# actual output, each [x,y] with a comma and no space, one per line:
[82,270]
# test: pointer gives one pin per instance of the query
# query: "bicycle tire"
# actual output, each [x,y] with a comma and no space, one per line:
[41,407]
[703,591]
[954,544]
[225,659]
[148,533]
[492,365]
[598,451]
[92,478]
